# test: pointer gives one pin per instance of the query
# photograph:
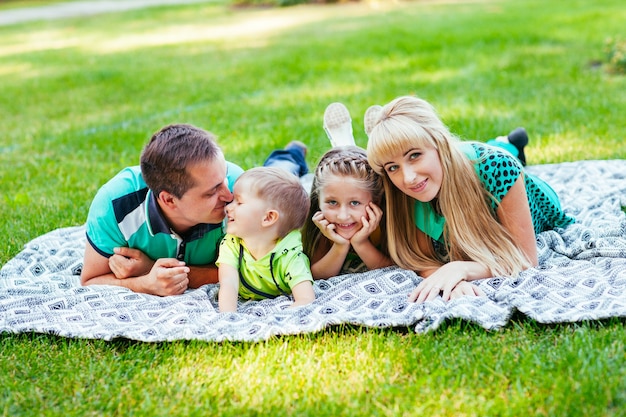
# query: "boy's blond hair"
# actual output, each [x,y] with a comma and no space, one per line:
[283,191]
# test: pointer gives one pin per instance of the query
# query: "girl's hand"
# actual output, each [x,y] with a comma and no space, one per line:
[449,281]
[369,224]
[328,229]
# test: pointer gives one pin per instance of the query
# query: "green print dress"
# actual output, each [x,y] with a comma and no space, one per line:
[498,170]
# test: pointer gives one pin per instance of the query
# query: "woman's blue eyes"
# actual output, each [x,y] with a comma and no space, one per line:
[412,156]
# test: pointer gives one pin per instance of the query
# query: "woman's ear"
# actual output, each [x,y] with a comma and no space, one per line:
[270,218]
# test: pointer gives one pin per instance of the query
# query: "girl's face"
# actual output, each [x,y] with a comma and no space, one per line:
[416,172]
[343,204]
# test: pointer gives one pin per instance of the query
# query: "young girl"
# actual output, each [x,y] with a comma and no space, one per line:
[457,211]
[342,233]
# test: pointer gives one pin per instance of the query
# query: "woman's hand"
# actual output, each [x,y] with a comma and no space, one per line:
[466,289]
[449,281]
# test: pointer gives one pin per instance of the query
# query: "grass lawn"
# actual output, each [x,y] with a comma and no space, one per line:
[80,98]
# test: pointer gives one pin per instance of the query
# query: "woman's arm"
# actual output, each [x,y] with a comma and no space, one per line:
[514,214]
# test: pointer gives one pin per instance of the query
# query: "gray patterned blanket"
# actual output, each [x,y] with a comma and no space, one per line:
[582,276]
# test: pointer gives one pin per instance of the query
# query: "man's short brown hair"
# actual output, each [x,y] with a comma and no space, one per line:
[171,150]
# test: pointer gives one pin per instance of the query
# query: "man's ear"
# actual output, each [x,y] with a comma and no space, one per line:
[167,199]
[270,218]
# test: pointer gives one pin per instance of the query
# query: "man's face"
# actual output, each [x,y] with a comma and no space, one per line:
[205,202]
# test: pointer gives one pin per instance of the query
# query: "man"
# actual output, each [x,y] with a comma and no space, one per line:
[156,228]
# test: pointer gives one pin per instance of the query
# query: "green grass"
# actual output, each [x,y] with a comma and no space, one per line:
[80,97]
[18,4]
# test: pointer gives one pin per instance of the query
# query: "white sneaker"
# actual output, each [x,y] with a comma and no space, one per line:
[371,118]
[338,125]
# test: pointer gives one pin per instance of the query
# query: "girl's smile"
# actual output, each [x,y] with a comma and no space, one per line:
[343,204]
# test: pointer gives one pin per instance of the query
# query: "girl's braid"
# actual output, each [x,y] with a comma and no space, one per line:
[350,162]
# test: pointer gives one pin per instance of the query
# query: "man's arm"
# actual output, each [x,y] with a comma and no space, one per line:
[130,262]
[167,277]
[95,268]
[201,275]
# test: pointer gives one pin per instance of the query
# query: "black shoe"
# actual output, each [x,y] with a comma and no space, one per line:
[519,139]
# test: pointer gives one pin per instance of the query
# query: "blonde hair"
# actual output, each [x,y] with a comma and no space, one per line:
[283,190]
[471,231]
[343,161]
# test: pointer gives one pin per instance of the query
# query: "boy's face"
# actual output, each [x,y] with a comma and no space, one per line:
[246,212]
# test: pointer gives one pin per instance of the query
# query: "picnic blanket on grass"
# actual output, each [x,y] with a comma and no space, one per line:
[582,276]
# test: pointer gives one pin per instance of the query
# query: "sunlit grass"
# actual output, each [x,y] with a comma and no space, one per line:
[525,369]
[80,97]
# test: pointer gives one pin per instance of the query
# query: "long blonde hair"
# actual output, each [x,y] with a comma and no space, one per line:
[471,231]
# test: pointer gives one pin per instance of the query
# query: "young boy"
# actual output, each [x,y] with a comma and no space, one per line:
[261,255]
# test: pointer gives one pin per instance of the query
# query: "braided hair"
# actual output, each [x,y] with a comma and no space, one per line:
[343,161]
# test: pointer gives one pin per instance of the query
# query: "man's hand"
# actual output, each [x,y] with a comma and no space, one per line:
[168,276]
[129,263]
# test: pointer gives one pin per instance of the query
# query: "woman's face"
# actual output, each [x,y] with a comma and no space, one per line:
[416,172]
[343,203]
